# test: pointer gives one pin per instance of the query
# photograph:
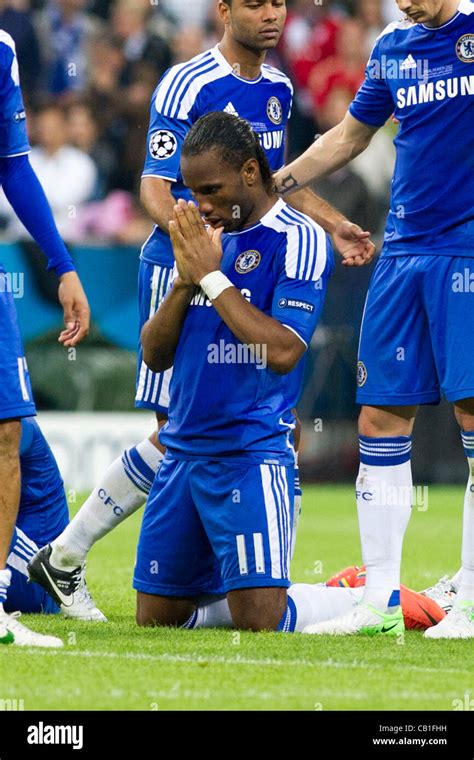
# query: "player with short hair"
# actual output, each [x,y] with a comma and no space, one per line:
[25,194]
[238,320]
[417,339]
[234,78]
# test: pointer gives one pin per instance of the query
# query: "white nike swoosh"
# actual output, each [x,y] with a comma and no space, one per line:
[65,600]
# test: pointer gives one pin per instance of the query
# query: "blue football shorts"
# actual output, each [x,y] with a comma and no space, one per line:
[212,527]
[417,337]
[152,388]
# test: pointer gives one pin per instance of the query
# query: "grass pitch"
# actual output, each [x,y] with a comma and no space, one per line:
[117,666]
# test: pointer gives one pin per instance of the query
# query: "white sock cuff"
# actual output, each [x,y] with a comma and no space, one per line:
[5,577]
[152,456]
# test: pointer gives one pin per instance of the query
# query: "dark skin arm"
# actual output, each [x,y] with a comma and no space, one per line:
[197,254]
[161,333]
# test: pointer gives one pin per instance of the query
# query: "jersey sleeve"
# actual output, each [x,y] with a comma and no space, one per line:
[373,104]
[13,134]
[165,139]
[304,271]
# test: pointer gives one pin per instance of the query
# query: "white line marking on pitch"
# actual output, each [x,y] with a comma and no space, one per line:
[221,660]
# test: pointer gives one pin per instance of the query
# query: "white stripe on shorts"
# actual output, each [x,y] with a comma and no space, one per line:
[149,382]
[21,374]
[273,520]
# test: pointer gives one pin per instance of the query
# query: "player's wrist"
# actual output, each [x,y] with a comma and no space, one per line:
[214,283]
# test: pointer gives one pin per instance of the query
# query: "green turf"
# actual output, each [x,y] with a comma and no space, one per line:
[118,666]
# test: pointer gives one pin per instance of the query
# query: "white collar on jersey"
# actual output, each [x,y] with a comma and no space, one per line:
[231,70]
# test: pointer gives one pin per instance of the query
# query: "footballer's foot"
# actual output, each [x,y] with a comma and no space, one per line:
[419,611]
[458,623]
[68,588]
[14,632]
[350,577]
[443,593]
[363,619]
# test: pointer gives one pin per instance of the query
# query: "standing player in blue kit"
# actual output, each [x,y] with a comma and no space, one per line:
[25,194]
[417,335]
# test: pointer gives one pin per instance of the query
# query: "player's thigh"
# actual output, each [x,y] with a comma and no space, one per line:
[16,398]
[174,556]
[396,365]
[449,296]
[162,610]
[247,511]
[152,388]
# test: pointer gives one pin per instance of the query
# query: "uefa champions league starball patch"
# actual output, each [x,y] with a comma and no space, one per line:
[465,48]
[247,262]
[275,110]
[163,144]
[361,374]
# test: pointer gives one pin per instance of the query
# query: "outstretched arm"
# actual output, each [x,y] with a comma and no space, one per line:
[352,242]
[330,152]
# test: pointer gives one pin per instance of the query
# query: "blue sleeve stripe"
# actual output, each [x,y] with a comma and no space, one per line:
[169,105]
[306,267]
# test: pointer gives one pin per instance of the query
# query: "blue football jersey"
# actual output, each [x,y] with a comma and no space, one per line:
[190,90]
[224,401]
[13,136]
[425,77]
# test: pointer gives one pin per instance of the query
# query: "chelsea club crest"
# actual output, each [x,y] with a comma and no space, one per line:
[465,48]
[361,374]
[275,111]
[247,262]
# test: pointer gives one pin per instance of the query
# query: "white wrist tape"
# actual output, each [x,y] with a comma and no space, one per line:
[214,283]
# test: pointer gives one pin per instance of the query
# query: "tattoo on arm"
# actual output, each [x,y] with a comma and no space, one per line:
[287,184]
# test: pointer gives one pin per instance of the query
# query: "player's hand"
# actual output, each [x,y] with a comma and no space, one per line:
[354,245]
[76,309]
[197,253]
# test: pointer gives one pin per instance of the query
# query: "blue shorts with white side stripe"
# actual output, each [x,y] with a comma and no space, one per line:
[152,388]
[213,527]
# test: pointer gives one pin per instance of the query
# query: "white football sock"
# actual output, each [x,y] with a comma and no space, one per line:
[5,579]
[466,586]
[384,493]
[315,602]
[214,614]
[456,580]
[123,489]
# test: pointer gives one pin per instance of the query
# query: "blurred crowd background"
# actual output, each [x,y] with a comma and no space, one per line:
[88,70]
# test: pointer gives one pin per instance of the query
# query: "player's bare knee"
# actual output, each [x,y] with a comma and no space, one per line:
[380,422]
[10,433]
[464,413]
